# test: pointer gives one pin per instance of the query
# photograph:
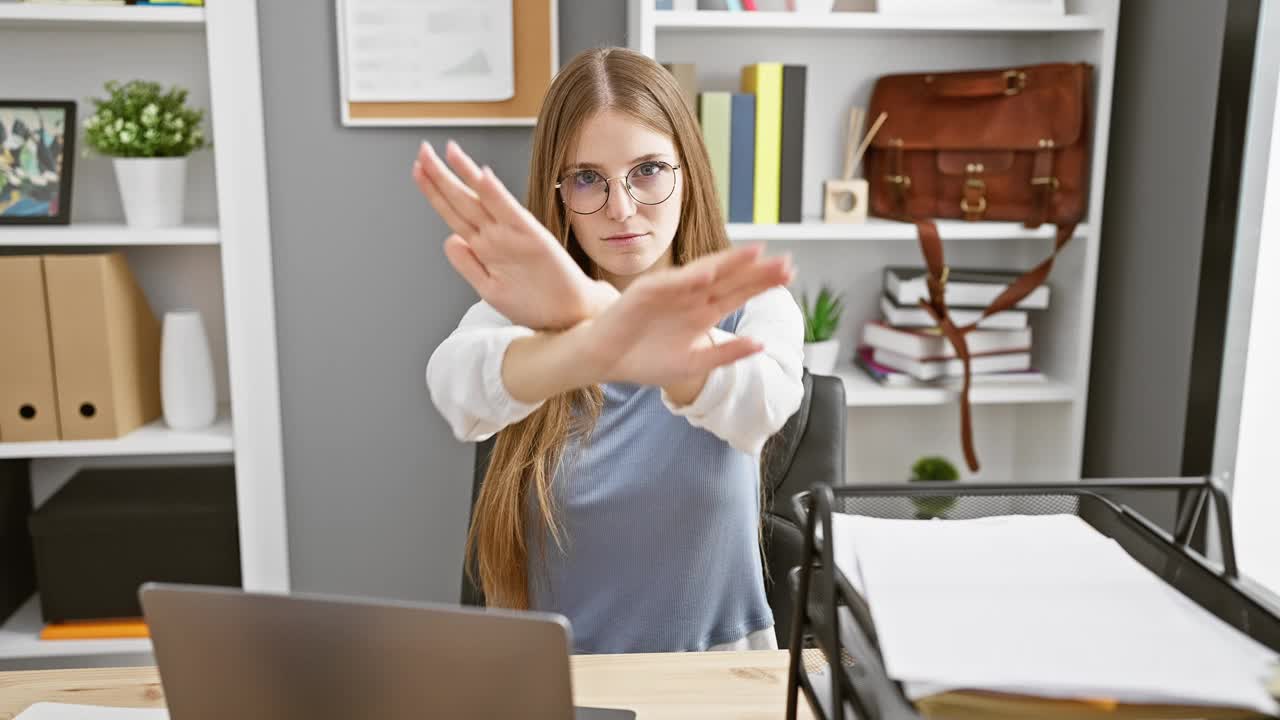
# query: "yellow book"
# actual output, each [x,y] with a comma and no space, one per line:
[96,629]
[764,80]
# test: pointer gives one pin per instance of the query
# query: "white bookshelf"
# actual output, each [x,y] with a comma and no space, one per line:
[19,636]
[847,22]
[154,438]
[1022,431]
[863,392]
[875,229]
[106,235]
[88,17]
[218,261]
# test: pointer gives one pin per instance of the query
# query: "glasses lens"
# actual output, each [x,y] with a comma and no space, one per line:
[584,191]
[651,182]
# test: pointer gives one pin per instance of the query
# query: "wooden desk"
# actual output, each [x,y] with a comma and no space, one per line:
[708,686]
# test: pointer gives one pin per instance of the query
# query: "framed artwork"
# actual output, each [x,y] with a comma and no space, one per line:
[37,151]
[445,62]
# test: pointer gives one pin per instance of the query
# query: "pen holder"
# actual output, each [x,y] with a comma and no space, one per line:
[845,200]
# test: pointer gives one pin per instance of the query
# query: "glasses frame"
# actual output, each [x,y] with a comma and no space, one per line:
[608,182]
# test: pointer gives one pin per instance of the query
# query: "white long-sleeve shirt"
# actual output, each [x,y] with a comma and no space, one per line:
[743,403]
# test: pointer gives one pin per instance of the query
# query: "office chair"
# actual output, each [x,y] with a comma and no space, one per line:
[809,448]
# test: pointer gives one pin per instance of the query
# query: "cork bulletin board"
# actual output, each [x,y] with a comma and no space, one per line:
[536,60]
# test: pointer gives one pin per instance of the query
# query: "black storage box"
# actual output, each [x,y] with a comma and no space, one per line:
[108,530]
[17,568]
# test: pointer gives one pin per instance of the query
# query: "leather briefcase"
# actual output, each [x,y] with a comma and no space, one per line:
[1006,144]
[1000,144]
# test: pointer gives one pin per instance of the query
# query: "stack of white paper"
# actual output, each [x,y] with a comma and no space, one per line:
[1043,606]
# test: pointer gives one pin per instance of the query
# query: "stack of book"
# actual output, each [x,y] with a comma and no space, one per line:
[904,348]
[754,138]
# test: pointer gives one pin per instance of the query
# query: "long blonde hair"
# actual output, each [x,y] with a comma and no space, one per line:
[526,454]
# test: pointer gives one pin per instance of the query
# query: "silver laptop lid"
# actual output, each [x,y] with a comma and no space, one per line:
[224,653]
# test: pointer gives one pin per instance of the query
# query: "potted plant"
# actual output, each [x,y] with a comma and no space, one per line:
[821,320]
[933,469]
[148,133]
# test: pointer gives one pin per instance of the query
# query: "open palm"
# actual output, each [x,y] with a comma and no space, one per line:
[656,333]
[501,249]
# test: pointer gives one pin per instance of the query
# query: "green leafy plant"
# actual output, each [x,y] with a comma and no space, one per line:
[822,318]
[933,469]
[140,119]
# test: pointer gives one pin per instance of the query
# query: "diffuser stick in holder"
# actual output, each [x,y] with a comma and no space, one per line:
[845,198]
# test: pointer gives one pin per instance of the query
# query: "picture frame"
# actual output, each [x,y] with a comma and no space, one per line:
[536,60]
[37,161]
[1003,8]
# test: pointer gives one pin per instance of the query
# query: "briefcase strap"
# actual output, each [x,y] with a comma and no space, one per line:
[936,306]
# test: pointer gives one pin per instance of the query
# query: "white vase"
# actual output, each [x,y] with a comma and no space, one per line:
[186,372]
[152,190]
[820,357]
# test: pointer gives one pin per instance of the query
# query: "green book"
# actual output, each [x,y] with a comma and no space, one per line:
[714,114]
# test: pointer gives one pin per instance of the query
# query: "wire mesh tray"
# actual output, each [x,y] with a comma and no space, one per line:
[836,660]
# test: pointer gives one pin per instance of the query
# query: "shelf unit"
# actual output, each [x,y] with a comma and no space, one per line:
[154,438]
[88,17]
[845,22]
[875,229]
[861,392]
[218,262]
[1022,431]
[20,638]
[107,235]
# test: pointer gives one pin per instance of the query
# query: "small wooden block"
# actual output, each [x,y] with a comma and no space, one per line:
[845,201]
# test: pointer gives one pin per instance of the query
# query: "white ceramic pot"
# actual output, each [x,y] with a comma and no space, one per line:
[820,357]
[152,190]
[186,372]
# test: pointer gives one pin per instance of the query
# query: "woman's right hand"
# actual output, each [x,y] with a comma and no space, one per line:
[658,331]
[501,249]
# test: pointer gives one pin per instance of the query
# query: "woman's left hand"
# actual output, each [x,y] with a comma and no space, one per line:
[501,249]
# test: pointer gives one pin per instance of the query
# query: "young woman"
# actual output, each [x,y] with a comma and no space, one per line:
[632,364]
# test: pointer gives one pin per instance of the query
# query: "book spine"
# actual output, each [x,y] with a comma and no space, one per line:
[764,80]
[742,158]
[714,116]
[686,75]
[791,162]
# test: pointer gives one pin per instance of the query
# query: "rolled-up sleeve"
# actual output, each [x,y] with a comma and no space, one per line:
[464,375]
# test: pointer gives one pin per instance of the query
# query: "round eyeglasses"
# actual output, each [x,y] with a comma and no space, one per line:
[649,183]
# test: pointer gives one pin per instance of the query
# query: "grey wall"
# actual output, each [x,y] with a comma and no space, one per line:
[1158,173]
[377,488]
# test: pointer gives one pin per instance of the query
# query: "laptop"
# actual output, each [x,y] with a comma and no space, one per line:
[226,653]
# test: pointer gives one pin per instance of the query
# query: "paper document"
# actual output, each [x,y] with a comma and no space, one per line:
[63,711]
[1043,606]
[428,50]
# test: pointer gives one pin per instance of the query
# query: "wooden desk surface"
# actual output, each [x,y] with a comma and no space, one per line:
[709,686]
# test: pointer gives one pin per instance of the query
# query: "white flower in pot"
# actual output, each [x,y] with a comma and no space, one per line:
[821,320]
[148,133]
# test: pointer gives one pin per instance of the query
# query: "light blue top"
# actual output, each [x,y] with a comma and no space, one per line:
[660,523]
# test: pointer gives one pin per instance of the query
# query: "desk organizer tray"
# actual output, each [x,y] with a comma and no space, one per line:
[836,659]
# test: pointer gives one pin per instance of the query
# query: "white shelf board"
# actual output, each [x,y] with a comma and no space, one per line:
[105,235]
[89,17]
[154,438]
[20,639]
[861,391]
[882,229]
[870,21]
